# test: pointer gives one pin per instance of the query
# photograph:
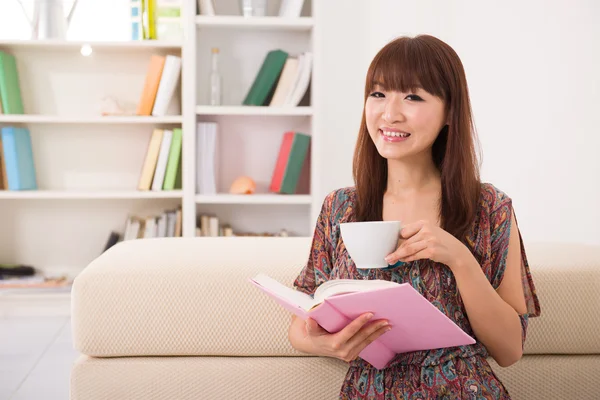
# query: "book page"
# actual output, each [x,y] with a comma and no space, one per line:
[339,286]
[294,296]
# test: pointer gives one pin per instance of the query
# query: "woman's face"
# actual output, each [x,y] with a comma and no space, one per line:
[403,124]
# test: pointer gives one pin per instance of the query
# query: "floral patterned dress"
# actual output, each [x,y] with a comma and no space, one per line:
[451,373]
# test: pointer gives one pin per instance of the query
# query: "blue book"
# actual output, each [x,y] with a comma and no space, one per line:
[18,159]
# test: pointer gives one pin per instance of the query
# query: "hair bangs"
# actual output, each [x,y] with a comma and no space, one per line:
[405,67]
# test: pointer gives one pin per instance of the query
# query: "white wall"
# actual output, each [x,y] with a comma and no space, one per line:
[533,70]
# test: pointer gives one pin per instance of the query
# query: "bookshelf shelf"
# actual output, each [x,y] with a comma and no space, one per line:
[67,45]
[253,199]
[59,119]
[260,23]
[88,195]
[254,110]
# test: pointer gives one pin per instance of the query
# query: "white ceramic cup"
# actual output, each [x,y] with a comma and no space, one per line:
[368,243]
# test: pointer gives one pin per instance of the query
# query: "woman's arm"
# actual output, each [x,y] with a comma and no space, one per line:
[494,314]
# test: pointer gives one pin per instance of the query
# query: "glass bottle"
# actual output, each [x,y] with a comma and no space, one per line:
[215,79]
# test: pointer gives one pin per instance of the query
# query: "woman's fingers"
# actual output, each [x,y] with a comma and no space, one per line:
[407,249]
[380,329]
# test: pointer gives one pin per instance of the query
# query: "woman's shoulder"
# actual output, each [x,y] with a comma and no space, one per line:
[492,198]
[338,203]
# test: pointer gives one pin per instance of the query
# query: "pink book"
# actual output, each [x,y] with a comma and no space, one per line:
[416,323]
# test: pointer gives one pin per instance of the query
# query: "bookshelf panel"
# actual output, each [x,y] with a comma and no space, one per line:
[66,83]
[255,218]
[242,53]
[56,236]
[233,7]
[249,146]
[94,158]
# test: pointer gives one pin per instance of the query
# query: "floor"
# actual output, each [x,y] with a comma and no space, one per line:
[36,353]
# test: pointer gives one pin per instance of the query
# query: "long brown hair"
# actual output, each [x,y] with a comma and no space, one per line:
[406,64]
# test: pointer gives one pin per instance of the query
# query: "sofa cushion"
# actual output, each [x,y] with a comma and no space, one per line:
[191,296]
[270,378]
[185,296]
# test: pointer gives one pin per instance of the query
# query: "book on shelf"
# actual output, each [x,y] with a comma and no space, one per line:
[166,224]
[16,159]
[291,165]
[167,86]
[207,162]
[416,323]
[283,80]
[290,8]
[161,169]
[160,84]
[264,84]
[206,7]
[10,88]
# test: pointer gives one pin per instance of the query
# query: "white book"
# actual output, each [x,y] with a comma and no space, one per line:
[290,8]
[285,85]
[299,69]
[206,7]
[161,229]
[206,160]
[150,227]
[168,83]
[171,220]
[161,163]
[303,80]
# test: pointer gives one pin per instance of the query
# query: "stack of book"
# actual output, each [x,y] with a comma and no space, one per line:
[161,81]
[162,164]
[206,158]
[156,19]
[291,174]
[166,224]
[282,81]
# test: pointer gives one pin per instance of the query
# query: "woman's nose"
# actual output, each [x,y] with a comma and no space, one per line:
[393,111]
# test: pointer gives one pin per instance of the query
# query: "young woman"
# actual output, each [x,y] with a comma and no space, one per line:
[415,161]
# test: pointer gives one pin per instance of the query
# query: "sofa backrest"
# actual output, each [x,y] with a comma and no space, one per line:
[191,296]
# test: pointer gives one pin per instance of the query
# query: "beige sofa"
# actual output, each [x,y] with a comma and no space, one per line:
[177,319]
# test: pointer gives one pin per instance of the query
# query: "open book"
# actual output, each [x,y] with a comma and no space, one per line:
[416,323]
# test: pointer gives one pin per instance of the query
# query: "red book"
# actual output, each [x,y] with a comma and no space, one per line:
[280,165]
[291,158]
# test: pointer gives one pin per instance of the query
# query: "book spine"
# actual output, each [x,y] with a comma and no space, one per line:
[295,162]
[282,161]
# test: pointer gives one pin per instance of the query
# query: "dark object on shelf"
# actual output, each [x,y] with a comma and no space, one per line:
[16,270]
[112,240]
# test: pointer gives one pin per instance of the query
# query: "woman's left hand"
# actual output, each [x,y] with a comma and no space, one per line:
[425,240]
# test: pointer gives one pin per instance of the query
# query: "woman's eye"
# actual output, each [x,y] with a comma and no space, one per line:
[414,97]
[377,95]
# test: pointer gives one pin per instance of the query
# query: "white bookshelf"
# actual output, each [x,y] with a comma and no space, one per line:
[254,199]
[88,165]
[60,119]
[88,195]
[255,110]
[75,46]
[257,23]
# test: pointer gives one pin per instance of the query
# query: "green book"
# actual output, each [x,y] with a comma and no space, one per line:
[174,161]
[295,162]
[266,80]
[10,90]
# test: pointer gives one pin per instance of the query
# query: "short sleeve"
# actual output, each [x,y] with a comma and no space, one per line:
[500,229]
[320,259]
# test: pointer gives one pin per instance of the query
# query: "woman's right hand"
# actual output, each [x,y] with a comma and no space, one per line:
[350,341]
